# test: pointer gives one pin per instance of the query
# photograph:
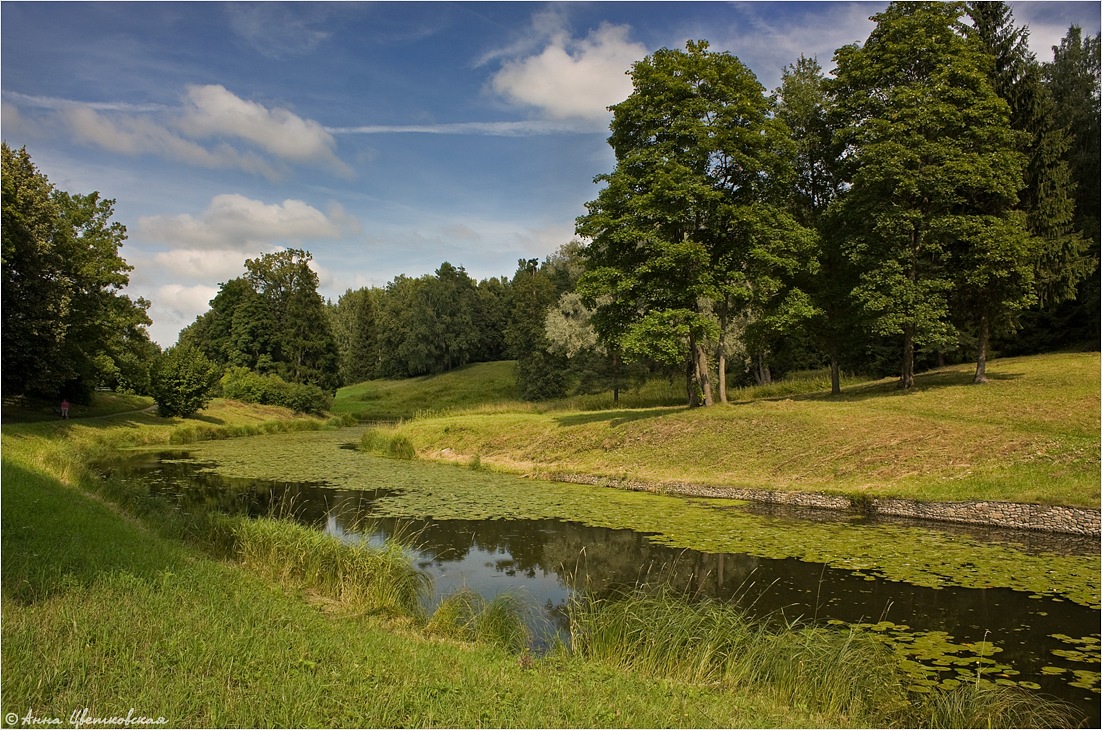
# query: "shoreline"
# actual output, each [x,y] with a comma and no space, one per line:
[1080,521]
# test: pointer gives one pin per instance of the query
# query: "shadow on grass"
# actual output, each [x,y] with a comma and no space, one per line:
[55,539]
[934,380]
[615,418]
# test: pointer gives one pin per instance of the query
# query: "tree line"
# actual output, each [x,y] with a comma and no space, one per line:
[934,199]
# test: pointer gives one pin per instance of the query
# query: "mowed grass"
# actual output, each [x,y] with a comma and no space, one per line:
[1030,435]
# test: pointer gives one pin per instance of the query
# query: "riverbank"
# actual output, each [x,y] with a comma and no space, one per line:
[1029,437]
[109,606]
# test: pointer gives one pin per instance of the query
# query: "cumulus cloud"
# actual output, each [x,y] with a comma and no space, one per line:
[572,78]
[214,111]
[212,127]
[134,135]
[234,222]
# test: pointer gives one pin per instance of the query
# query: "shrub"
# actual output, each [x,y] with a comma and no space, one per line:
[247,386]
[183,381]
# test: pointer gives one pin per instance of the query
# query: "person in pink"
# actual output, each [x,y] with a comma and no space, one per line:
[64,408]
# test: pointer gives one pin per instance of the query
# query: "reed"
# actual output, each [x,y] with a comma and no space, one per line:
[371,580]
[467,616]
[658,634]
[379,442]
[985,704]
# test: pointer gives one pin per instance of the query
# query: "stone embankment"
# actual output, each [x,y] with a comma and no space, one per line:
[1040,517]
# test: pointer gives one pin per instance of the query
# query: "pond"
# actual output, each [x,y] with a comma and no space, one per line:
[1021,606]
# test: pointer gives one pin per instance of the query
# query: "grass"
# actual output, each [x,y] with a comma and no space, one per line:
[267,623]
[1030,435]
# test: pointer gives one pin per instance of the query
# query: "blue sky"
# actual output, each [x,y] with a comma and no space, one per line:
[385,138]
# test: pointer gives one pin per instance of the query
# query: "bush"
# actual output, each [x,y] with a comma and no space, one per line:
[183,381]
[244,385]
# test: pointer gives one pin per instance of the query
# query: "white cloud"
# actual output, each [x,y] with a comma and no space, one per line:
[235,223]
[212,127]
[174,307]
[135,135]
[767,43]
[201,264]
[277,30]
[213,111]
[573,78]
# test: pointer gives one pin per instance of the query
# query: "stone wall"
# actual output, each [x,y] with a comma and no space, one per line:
[1042,517]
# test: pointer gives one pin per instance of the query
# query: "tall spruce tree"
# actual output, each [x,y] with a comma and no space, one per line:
[1062,255]
[934,170]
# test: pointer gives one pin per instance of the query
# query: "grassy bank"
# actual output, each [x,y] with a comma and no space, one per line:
[112,601]
[1030,435]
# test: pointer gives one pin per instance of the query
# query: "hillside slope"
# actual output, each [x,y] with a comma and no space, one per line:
[1030,435]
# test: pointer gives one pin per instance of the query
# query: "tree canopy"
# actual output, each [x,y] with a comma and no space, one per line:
[68,327]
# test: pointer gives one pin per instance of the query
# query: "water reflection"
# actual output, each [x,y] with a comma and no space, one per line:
[550,560]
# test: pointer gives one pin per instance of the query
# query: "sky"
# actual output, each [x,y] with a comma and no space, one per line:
[384,138]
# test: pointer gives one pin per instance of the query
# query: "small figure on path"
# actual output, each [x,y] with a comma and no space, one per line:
[64,408]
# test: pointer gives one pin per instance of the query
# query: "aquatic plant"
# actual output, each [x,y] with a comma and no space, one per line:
[377,442]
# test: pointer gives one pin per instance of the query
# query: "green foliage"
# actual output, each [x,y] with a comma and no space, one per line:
[931,160]
[540,373]
[183,381]
[690,224]
[356,331]
[239,383]
[67,326]
[271,321]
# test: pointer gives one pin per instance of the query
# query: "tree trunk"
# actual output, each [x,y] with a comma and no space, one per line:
[615,377]
[835,373]
[907,377]
[722,377]
[981,356]
[762,376]
[702,376]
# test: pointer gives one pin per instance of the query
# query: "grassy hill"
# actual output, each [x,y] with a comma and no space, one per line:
[1030,435]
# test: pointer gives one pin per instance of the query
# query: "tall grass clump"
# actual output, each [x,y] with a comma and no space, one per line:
[391,445]
[373,580]
[985,704]
[712,642]
[467,616]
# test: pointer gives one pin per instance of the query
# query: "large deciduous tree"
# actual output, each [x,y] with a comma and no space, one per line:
[687,230]
[304,348]
[934,171]
[67,325]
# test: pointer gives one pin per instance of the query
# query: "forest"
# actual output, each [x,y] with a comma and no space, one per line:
[933,199]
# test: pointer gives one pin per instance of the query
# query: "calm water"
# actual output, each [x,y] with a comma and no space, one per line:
[548,560]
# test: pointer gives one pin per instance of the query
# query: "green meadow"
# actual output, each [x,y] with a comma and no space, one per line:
[114,600]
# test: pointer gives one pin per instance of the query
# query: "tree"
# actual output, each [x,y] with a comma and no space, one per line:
[66,321]
[690,215]
[303,348]
[1073,79]
[1062,259]
[540,373]
[355,329]
[183,381]
[803,106]
[930,156]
